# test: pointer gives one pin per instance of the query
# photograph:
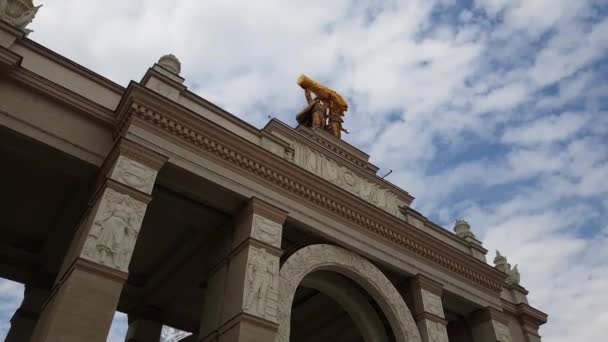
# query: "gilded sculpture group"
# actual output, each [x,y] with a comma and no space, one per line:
[325,111]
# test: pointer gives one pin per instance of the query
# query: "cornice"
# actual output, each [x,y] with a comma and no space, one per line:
[264,209]
[8,59]
[177,124]
[63,95]
[527,314]
[73,66]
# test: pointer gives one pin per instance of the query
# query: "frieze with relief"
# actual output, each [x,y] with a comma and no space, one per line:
[341,176]
[111,238]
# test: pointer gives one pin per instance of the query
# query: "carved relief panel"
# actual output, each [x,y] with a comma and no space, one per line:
[261,284]
[341,176]
[134,174]
[111,238]
[266,230]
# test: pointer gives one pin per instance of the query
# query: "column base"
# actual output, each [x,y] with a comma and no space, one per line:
[244,328]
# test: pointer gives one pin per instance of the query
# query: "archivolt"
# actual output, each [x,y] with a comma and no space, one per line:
[369,277]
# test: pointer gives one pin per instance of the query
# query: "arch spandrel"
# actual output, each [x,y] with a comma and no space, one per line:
[332,258]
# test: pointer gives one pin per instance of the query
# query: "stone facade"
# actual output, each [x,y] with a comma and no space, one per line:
[159,204]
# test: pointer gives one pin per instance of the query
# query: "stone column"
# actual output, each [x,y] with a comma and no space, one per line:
[242,295]
[425,297]
[143,330]
[25,318]
[490,324]
[86,292]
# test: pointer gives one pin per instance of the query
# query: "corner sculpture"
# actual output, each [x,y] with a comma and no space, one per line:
[18,13]
[500,263]
[325,111]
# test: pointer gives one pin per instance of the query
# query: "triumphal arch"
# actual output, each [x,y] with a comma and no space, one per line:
[152,201]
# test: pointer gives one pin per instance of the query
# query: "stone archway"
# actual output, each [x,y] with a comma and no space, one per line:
[369,277]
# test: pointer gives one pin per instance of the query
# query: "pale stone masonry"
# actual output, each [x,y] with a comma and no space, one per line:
[151,201]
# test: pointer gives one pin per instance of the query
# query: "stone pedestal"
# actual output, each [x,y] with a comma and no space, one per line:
[25,318]
[425,296]
[490,325]
[143,330]
[86,292]
[242,295]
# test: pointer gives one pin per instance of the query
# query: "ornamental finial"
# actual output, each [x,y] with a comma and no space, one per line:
[170,63]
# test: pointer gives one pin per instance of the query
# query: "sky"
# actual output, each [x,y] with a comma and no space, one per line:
[493,111]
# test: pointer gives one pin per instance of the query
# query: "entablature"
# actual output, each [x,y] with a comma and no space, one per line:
[146,109]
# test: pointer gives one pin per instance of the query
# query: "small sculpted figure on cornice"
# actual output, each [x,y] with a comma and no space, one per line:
[325,111]
[500,263]
[18,13]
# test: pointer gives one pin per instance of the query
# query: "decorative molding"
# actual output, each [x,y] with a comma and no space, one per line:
[369,277]
[346,179]
[64,95]
[72,66]
[111,238]
[8,59]
[261,293]
[193,132]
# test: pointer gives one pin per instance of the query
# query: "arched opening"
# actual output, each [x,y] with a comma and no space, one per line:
[330,307]
[387,304]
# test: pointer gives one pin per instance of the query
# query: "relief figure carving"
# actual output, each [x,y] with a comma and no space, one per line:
[112,237]
[262,283]
[343,177]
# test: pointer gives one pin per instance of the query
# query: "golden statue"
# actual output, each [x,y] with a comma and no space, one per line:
[325,111]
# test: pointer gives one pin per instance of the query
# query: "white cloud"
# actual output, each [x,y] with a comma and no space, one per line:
[11,294]
[547,129]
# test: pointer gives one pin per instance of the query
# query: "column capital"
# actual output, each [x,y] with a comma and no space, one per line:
[422,282]
[256,206]
[132,165]
[259,221]
[137,152]
[488,314]
[531,319]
